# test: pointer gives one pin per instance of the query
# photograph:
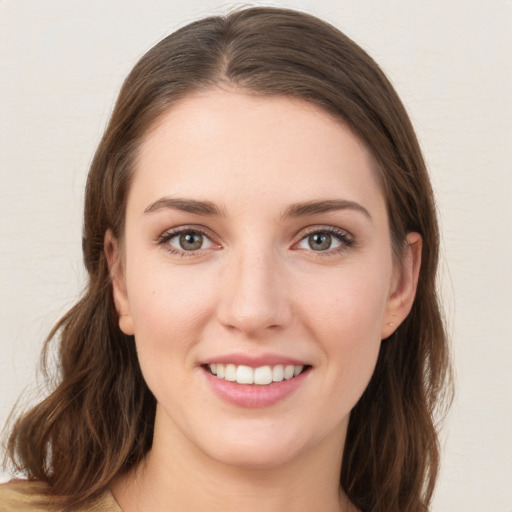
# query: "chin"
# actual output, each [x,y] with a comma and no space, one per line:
[254,457]
[259,446]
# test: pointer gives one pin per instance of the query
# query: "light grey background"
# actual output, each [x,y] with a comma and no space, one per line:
[61,65]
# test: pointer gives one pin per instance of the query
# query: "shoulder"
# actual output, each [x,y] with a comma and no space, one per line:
[25,496]
[21,495]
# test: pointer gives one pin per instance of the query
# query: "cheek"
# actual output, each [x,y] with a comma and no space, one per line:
[345,320]
[169,314]
[349,305]
[169,305]
[348,329]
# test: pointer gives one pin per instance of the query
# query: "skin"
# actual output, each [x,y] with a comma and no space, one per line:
[255,286]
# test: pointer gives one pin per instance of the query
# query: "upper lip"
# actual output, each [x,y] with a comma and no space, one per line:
[255,361]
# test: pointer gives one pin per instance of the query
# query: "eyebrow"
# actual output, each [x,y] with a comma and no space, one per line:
[186,205]
[295,210]
[329,205]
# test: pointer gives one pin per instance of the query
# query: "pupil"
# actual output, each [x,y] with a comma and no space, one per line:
[320,241]
[191,241]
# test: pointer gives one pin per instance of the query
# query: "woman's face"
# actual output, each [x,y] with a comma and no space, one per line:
[256,247]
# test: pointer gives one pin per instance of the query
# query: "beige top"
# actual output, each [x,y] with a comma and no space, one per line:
[23,496]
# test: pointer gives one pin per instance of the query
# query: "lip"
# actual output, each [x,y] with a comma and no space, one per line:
[255,361]
[253,395]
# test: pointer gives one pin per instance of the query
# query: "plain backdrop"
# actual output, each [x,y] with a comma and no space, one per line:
[61,65]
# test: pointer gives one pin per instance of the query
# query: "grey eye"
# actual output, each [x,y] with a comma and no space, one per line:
[190,241]
[319,241]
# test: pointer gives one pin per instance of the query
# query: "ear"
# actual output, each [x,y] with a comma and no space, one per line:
[404,286]
[117,277]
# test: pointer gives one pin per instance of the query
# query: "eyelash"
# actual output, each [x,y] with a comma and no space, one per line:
[166,237]
[345,239]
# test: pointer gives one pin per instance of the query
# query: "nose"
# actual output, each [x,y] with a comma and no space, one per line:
[253,298]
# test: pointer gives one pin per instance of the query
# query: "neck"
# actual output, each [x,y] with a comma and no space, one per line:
[176,477]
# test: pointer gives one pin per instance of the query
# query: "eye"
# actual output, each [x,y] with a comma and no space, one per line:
[325,240]
[186,240]
[319,242]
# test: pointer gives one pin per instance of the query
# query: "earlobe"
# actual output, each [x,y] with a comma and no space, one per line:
[117,277]
[404,287]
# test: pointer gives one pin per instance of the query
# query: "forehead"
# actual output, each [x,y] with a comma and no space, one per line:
[223,144]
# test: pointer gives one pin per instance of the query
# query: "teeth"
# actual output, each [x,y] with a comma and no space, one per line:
[278,373]
[288,372]
[230,372]
[244,375]
[263,375]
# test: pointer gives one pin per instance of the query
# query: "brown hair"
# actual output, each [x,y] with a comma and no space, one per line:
[102,412]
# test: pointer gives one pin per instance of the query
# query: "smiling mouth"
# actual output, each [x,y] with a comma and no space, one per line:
[261,376]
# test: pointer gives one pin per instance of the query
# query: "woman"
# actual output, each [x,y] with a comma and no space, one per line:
[260,327]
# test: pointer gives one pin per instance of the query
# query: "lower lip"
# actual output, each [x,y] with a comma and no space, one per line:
[254,395]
